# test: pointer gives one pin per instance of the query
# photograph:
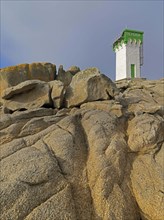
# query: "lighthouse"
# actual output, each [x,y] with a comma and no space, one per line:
[129,54]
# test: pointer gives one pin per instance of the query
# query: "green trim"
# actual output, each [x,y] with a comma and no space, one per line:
[127,35]
[133,31]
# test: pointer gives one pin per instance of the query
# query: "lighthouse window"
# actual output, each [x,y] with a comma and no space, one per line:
[133,70]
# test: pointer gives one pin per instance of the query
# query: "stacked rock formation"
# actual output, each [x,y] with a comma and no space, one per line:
[81,149]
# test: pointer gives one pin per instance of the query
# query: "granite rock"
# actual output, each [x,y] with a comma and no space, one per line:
[89,85]
[29,94]
[99,159]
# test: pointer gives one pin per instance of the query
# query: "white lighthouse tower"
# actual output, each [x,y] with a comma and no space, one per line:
[129,54]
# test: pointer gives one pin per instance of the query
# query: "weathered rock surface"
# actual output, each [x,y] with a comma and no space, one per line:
[109,106]
[73,70]
[147,183]
[57,93]
[64,76]
[13,75]
[101,160]
[30,94]
[151,126]
[89,85]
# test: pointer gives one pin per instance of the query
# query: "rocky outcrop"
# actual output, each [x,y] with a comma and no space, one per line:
[13,75]
[64,76]
[86,86]
[98,159]
[30,94]
[89,85]
[73,70]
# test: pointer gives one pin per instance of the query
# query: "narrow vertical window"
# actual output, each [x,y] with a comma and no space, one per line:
[133,71]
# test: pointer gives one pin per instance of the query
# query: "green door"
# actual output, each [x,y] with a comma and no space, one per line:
[132,71]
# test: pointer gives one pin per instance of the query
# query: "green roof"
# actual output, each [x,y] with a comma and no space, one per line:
[127,35]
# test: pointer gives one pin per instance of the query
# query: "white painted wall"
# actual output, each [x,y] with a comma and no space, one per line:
[125,56]
[121,62]
[133,57]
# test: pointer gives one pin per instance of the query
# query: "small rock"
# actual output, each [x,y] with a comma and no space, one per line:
[73,70]
[64,76]
[57,93]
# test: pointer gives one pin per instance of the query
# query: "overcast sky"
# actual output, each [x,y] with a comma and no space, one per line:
[80,33]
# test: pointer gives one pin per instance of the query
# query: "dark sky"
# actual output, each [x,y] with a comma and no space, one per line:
[80,33]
